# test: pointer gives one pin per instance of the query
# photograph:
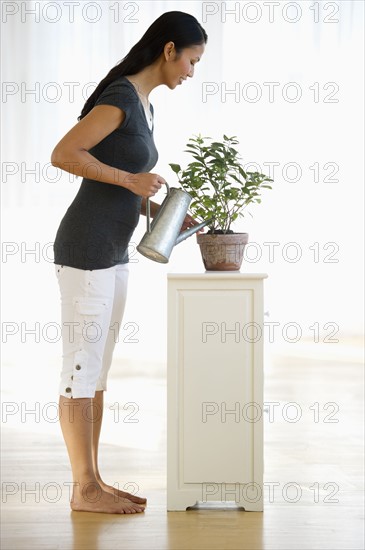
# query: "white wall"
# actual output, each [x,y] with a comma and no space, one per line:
[316,56]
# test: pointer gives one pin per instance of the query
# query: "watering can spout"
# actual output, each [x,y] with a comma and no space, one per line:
[188,232]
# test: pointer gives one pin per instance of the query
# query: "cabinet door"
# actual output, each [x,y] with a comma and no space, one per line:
[216,410]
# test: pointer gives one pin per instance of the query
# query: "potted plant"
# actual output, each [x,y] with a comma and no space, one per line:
[220,189]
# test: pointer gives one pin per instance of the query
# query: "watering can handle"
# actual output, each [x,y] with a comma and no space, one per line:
[148,210]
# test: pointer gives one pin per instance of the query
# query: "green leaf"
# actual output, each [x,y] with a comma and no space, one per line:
[176,168]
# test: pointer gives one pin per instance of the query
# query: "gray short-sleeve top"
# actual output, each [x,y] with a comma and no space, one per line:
[98,225]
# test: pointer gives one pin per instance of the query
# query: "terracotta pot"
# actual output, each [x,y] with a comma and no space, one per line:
[222,252]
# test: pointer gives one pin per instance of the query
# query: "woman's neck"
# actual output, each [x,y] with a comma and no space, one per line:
[146,80]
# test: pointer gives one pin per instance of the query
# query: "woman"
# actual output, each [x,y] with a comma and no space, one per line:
[112,148]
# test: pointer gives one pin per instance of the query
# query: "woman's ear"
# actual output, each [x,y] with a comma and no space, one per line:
[169,51]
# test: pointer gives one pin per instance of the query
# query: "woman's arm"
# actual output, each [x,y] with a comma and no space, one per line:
[71,153]
[154,207]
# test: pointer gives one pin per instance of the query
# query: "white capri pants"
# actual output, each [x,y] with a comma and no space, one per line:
[92,307]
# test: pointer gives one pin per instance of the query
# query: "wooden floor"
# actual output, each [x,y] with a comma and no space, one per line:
[323,459]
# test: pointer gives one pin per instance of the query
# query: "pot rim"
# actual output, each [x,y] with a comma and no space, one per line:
[219,234]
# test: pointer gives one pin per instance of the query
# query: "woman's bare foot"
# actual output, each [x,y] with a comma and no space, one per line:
[91,497]
[121,494]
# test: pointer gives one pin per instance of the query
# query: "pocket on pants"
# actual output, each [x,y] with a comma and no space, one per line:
[89,318]
[90,306]
[59,270]
[90,325]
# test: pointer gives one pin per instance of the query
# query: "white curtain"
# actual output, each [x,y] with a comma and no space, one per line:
[286,78]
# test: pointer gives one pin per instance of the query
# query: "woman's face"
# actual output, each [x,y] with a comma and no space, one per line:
[179,68]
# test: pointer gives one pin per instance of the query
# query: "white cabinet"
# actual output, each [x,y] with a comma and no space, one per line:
[215,389]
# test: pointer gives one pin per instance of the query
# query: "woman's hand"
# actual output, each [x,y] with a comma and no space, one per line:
[144,183]
[190,222]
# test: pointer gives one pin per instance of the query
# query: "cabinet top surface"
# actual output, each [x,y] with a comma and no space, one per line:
[217,275]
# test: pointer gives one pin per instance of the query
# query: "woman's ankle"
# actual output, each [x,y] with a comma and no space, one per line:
[88,490]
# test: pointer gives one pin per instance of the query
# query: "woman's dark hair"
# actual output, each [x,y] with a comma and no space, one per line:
[176,26]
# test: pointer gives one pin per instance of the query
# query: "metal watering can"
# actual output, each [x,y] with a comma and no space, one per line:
[164,231]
